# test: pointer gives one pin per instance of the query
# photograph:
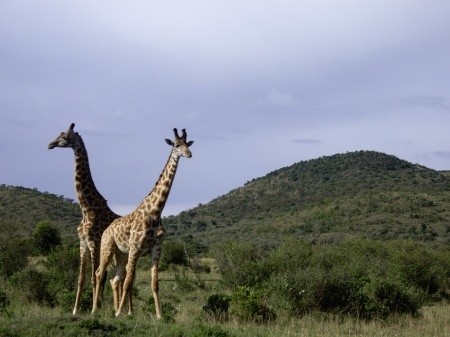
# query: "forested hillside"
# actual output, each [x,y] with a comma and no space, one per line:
[325,200]
[22,208]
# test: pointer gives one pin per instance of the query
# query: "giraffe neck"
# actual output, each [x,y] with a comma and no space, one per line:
[154,203]
[88,195]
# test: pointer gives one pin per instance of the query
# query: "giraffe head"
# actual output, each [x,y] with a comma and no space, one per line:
[69,138]
[180,144]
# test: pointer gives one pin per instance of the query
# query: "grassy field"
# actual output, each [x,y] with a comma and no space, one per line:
[37,321]
[183,294]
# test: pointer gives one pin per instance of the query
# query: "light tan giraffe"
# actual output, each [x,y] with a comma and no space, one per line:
[94,208]
[139,232]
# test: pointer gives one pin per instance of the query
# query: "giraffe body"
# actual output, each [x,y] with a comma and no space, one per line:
[94,208]
[138,233]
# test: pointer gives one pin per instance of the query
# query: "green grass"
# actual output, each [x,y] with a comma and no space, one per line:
[186,293]
[33,321]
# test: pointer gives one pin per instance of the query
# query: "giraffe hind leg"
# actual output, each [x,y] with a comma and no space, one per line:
[128,281]
[108,250]
[84,257]
[119,276]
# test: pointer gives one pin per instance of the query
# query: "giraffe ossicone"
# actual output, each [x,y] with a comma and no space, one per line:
[139,232]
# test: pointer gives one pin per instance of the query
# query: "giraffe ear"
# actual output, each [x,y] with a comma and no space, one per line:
[168,141]
[190,143]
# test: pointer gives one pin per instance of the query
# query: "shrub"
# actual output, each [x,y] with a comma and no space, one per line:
[240,264]
[14,256]
[426,269]
[362,278]
[46,237]
[4,302]
[184,283]
[249,305]
[34,286]
[66,300]
[217,306]
[394,298]
[63,267]
[173,252]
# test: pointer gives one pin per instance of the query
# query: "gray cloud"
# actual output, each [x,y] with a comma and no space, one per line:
[245,79]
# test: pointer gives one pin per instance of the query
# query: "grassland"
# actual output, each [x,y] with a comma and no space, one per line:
[188,294]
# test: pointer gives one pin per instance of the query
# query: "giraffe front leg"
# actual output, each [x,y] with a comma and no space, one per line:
[84,256]
[155,289]
[156,254]
[128,283]
[130,303]
[94,251]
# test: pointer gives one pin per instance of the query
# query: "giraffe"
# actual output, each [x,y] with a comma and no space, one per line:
[139,232]
[94,208]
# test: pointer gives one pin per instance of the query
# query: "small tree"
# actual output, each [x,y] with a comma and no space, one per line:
[173,253]
[46,237]
[14,256]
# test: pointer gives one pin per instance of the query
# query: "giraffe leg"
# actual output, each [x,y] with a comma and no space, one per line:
[156,253]
[84,257]
[107,253]
[95,257]
[128,282]
[94,265]
[130,303]
[155,290]
[117,281]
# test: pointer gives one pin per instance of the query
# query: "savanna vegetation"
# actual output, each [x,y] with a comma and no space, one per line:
[328,200]
[348,245]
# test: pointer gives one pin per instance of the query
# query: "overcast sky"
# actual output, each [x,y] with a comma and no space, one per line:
[258,85]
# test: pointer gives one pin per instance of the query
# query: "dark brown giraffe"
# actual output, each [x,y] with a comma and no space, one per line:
[94,208]
[139,232]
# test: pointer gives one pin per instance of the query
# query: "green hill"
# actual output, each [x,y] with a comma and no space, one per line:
[22,208]
[325,200]
[365,194]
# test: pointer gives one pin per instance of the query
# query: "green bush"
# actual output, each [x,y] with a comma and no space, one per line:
[240,264]
[217,306]
[63,268]
[14,256]
[66,299]
[248,304]
[46,237]
[362,278]
[4,302]
[34,286]
[428,270]
[173,252]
